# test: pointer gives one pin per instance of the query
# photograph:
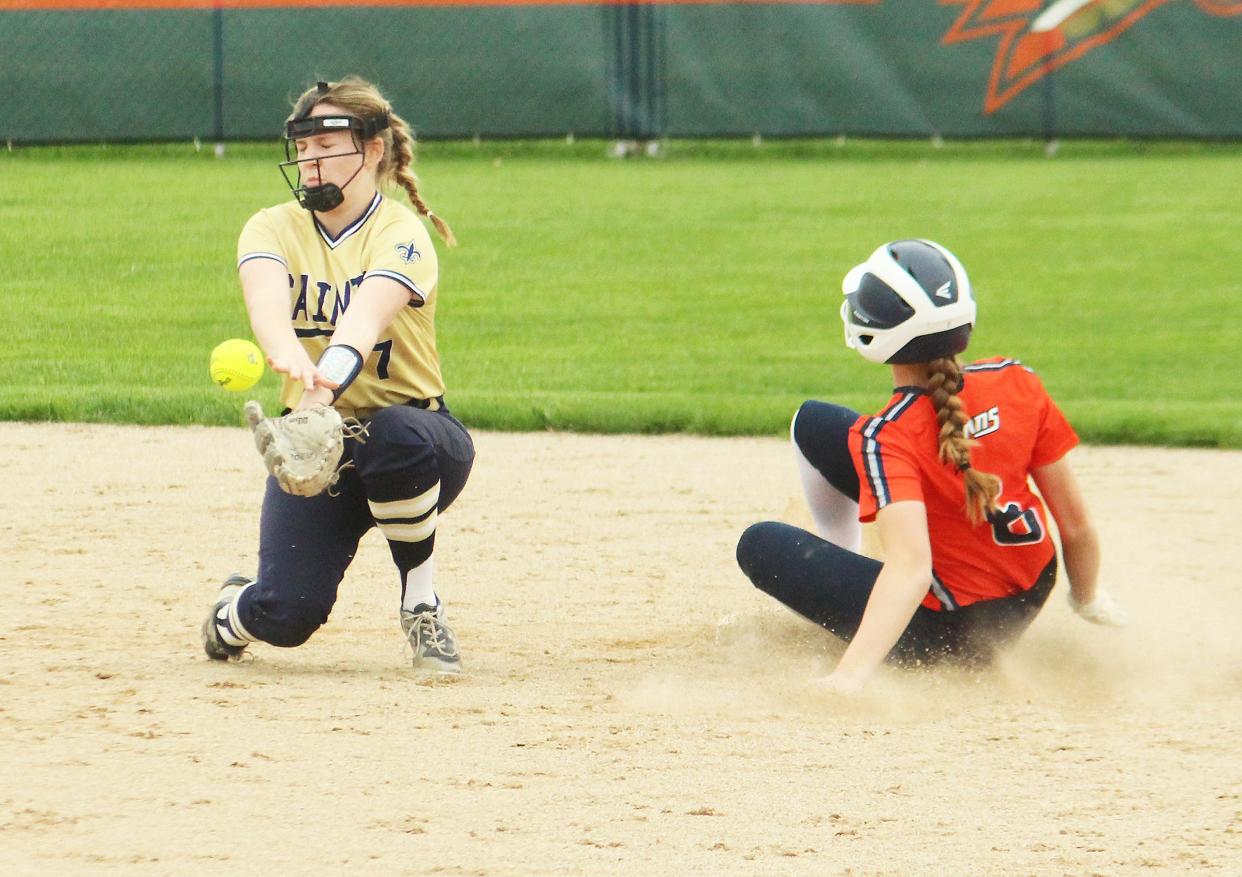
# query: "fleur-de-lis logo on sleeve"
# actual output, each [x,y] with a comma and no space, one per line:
[409,252]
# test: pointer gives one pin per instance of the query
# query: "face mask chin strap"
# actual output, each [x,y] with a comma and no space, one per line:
[327,196]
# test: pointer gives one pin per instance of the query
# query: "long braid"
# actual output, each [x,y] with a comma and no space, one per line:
[362,99]
[403,158]
[982,488]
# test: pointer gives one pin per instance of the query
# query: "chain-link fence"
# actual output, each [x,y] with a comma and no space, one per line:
[86,70]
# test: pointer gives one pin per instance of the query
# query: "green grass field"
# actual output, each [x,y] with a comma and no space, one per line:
[695,292]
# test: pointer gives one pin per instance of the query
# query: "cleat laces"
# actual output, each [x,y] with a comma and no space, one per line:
[429,636]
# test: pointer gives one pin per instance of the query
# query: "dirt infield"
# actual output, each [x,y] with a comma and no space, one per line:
[607,724]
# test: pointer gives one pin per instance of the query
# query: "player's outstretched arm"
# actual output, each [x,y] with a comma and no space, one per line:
[376,304]
[1080,546]
[900,587]
[265,286]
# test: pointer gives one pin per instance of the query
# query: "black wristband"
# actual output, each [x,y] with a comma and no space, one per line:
[340,364]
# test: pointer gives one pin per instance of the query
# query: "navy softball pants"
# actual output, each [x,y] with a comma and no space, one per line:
[411,458]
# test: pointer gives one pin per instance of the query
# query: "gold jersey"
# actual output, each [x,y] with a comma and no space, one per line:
[387,240]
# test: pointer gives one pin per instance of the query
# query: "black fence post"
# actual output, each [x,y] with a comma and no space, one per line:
[217,69]
[636,83]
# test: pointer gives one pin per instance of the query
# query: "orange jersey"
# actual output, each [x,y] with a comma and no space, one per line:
[1018,428]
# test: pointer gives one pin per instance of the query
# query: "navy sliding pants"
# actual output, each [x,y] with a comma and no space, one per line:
[830,585]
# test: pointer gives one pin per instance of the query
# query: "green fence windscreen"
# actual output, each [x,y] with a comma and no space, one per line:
[86,70]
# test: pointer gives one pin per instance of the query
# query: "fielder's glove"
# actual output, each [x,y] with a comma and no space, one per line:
[301,449]
[1103,609]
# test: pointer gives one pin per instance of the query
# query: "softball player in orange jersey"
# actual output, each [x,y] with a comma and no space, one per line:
[944,470]
[341,285]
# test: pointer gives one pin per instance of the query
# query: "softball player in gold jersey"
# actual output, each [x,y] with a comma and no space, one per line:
[341,289]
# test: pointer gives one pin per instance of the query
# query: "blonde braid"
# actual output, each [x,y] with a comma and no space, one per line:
[362,99]
[403,158]
[982,488]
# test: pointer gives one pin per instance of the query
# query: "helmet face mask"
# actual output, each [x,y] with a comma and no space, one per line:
[325,196]
[909,302]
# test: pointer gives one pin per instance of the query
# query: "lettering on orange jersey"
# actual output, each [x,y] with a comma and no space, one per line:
[983,424]
[1014,525]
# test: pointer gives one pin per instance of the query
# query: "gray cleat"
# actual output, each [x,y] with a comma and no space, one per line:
[435,646]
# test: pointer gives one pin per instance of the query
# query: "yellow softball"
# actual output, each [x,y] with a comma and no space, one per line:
[236,365]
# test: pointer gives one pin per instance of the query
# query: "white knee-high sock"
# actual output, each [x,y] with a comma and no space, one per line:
[419,587]
[834,513]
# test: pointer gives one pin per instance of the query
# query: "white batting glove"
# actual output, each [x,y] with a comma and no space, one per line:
[1102,610]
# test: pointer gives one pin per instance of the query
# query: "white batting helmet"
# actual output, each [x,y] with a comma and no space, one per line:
[909,302]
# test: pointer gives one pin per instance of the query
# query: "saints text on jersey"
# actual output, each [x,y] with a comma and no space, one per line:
[322,295]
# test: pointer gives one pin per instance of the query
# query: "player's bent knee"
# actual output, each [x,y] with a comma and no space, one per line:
[818,423]
[760,551]
[293,633]
[797,429]
[286,624]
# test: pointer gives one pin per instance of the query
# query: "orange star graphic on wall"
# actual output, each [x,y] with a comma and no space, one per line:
[1038,37]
